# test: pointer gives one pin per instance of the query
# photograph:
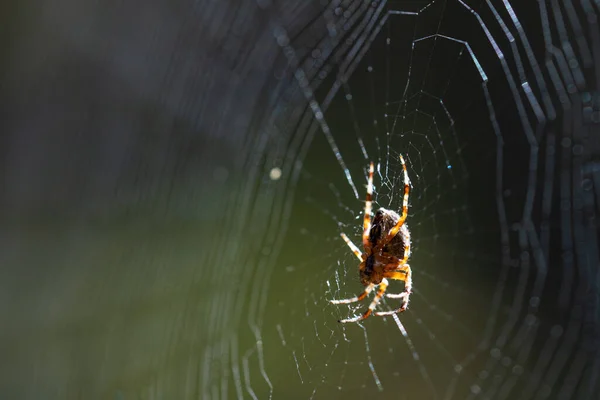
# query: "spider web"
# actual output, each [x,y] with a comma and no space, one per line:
[492,104]
[191,247]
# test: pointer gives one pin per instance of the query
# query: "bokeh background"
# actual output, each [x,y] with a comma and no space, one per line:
[176,174]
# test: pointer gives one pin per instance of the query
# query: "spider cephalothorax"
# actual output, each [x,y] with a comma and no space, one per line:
[386,241]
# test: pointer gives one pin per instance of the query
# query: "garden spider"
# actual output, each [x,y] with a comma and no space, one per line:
[387,249]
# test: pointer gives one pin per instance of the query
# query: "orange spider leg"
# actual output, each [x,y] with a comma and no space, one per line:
[368,205]
[354,299]
[406,253]
[402,274]
[394,231]
[380,292]
[352,246]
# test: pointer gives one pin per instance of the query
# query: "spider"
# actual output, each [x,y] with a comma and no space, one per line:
[387,248]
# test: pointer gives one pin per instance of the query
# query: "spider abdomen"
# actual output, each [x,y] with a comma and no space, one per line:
[383,222]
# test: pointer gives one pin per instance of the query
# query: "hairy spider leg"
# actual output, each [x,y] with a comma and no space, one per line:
[403,273]
[406,252]
[394,231]
[354,299]
[368,205]
[400,273]
[352,246]
[380,292]
[397,295]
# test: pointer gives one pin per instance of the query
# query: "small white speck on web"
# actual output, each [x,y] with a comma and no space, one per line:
[275,174]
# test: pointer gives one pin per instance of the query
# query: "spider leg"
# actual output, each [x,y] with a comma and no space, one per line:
[396,311]
[394,231]
[403,273]
[380,292]
[396,295]
[354,299]
[352,246]
[368,205]
[406,252]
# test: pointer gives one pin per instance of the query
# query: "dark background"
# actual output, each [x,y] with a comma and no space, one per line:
[146,253]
